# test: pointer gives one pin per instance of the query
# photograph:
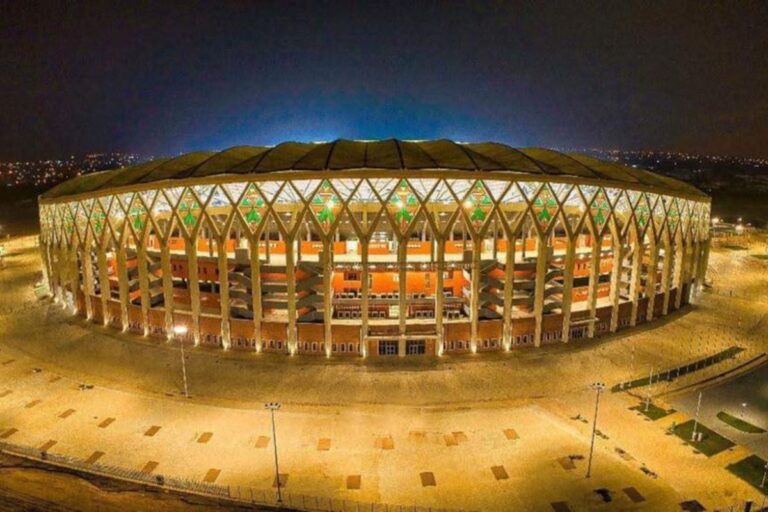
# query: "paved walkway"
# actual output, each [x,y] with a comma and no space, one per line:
[396,427]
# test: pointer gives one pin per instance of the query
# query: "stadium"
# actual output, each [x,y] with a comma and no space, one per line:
[374,248]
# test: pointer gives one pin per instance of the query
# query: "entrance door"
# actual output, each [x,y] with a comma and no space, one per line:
[415,347]
[387,348]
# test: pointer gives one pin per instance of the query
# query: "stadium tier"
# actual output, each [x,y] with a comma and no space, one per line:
[374,248]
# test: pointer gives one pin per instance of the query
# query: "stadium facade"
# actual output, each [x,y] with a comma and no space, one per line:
[375,248]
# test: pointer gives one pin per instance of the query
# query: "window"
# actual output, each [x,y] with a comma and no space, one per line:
[351,275]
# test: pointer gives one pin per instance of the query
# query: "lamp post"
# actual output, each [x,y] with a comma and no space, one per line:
[179,331]
[598,387]
[272,407]
[696,419]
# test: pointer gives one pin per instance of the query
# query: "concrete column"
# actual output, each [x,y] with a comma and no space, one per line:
[679,275]
[474,299]
[122,280]
[291,291]
[141,262]
[327,260]
[365,289]
[88,284]
[570,260]
[253,250]
[634,283]
[104,291]
[666,274]
[165,265]
[190,246]
[439,294]
[594,281]
[223,264]
[702,268]
[693,275]
[402,261]
[619,253]
[650,283]
[44,258]
[538,290]
[74,262]
[509,291]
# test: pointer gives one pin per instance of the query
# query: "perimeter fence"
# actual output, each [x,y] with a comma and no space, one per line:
[238,494]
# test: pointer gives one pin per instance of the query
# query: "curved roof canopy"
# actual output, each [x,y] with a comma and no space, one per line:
[390,154]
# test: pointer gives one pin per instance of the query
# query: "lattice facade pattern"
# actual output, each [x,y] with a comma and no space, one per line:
[504,261]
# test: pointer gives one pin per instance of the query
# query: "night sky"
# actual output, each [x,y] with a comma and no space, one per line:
[161,78]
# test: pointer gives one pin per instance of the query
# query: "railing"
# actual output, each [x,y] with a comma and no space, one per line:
[677,372]
[238,494]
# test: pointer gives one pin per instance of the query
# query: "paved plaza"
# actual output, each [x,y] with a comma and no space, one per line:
[489,432]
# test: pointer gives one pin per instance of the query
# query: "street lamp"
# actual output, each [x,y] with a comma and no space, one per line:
[762,487]
[179,331]
[598,387]
[272,407]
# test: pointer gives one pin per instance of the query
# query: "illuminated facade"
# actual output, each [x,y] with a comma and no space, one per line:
[354,248]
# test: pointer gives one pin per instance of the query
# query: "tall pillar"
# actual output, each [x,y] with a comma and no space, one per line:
[634,283]
[88,284]
[619,253]
[190,246]
[509,290]
[223,263]
[402,257]
[104,290]
[666,273]
[693,275]
[291,291]
[365,289]
[165,265]
[440,294]
[141,262]
[474,298]
[253,250]
[679,274]
[570,260]
[44,258]
[594,282]
[702,269]
[327,257]
[122,280]
[538,290]
[74,262]
[650,282]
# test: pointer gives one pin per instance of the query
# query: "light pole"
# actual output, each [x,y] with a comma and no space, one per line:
[272,407]
[598,387]
[696,420]
[762,487]
[179,331]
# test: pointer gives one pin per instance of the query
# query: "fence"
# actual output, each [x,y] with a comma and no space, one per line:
[237,494]
[675,373]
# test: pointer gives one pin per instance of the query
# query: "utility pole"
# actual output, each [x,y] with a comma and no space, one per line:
[272,407]
[696,420]
[598,387]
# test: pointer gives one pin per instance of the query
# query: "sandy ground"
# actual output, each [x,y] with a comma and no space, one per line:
[446,417]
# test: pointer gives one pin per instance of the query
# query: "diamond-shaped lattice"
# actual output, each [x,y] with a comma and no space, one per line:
[599,211]
[252,208]
[477,205]
[326,206]
[544,207]
[189,211]
[403,206]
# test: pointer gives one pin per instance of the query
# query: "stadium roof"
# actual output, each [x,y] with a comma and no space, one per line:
[389,155]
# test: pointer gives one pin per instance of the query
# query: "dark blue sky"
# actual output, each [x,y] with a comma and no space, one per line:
[177,76]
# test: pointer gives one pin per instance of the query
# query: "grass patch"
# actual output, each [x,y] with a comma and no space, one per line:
[654,412]
[733,247]
[711,444]
[738,423]
[760,256]
[750,470]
